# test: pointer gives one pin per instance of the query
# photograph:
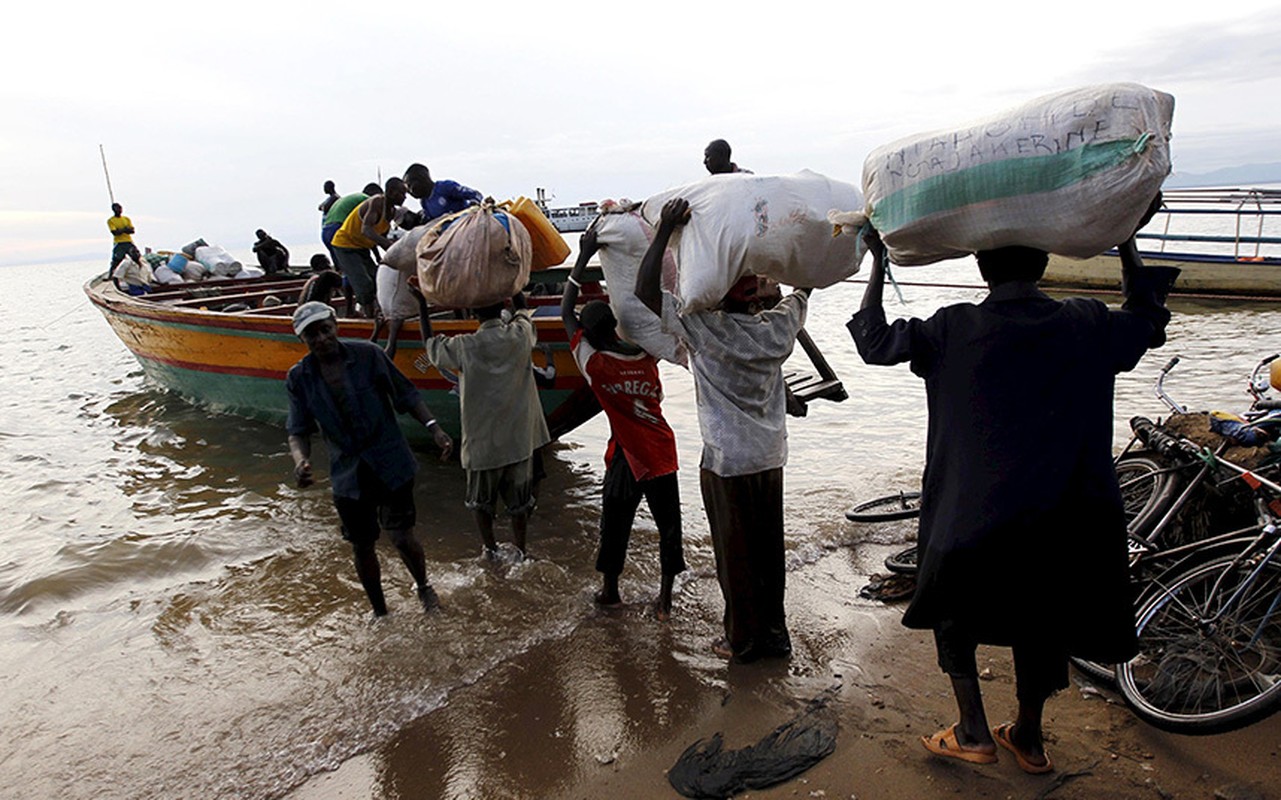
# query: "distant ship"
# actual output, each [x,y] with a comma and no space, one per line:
[567,219]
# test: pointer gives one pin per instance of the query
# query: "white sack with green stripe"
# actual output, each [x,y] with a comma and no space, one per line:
[771,225]
[1069,173]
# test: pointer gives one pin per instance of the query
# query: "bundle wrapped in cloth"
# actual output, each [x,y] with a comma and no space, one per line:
[623,236]
[771,225]
[1070,173]
[479,257]
[402,256]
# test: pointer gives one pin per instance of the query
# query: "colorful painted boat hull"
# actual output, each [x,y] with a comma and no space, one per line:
[236,362]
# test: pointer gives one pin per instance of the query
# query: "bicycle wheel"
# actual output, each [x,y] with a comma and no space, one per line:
[903,562]
[1146,489]
[1209,649]
[903,505]
[1104,674]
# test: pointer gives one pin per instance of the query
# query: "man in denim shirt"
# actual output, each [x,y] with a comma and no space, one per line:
[351,392]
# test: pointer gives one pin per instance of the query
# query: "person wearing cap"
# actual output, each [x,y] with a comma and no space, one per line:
[1022,537]
[640,460]
[351,392]
[502,418]
[736,354]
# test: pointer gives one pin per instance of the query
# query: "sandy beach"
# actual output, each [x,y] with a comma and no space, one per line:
[605,713]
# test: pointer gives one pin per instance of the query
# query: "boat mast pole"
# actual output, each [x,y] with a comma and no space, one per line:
[110,193]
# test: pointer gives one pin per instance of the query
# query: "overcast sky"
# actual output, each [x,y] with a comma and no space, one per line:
[219,118]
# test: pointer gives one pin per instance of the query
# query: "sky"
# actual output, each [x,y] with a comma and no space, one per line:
[220,118]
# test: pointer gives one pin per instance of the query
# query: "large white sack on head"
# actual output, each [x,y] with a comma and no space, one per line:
[624,236]
[1070,173]
[218,261]
[403,253]
[772,225]
[394,297]
[482,258]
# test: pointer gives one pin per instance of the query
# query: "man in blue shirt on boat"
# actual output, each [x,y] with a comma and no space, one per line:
[351,392]
[438,197]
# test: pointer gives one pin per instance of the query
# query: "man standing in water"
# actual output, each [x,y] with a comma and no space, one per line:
[351,391]
[736,353]
[1020,506]
[122,231]
[640,460]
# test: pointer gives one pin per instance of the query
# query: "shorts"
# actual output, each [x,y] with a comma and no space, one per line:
[377,508]
[514,483]
[358,267]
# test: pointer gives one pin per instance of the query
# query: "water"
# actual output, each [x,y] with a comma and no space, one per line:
[177,620]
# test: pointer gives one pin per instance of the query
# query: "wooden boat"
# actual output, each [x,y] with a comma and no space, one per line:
[1226,242]
[236,361]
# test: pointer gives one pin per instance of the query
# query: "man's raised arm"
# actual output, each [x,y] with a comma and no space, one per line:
[649,287]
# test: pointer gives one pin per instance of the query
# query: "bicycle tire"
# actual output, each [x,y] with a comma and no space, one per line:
[903,562]
[901,505]
[1104,674]
[1195,677]
[1147,489]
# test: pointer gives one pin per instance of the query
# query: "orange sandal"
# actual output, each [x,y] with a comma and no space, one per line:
[944,744]
[1001,733]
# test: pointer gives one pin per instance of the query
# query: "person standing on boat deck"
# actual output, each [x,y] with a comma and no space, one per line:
[640,460]
[337,214]
[502,419]
[122,231]
[364,229]
[352,392]
[716,159]
[331,197]
[736,354]
[438,197]
[273,256]
[1020,500]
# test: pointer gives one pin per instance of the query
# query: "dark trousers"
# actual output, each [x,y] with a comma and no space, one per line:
[118,252]
[1040,666]
[620,499]
[745,514]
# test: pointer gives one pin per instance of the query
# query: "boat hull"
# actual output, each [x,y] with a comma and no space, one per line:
[1211,276]
[236,362]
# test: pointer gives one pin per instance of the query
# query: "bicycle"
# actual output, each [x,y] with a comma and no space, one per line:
[1209,628]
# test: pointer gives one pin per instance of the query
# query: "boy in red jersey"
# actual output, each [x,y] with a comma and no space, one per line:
[641,456]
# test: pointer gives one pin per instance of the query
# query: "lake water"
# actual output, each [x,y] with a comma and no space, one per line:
[176,620]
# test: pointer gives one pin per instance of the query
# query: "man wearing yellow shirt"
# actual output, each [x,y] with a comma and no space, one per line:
[121,234]
[364,229]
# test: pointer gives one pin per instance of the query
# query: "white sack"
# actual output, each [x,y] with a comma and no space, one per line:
[772,225]
[218,261]
[250,271]
[623,236]
[1070,173]
[479,260]
[403,253]
[163,274]
[394,297]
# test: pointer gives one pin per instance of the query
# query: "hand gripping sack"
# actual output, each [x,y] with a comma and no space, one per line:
[481,258]
[1070,173]
[624,236]
[771,225]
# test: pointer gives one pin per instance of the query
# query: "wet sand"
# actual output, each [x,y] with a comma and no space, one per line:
[606,711]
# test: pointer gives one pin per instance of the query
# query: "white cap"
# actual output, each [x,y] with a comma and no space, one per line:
[308,313]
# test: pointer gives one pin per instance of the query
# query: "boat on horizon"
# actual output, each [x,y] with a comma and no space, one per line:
[236,361]
[567,219]
[1220,239]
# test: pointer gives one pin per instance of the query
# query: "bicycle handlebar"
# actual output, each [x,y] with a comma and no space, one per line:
[1152,436]
[1267,405]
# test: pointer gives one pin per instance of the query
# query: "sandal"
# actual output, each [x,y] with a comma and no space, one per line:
[944,744]
[1001,733]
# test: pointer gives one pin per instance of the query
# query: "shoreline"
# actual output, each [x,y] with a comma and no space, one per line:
[606,711]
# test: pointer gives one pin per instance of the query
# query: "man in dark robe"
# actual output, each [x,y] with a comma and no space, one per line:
[1022,535]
